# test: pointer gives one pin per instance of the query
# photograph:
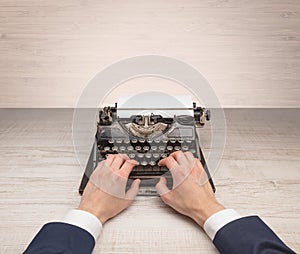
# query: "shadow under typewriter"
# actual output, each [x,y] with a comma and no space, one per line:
[146,139]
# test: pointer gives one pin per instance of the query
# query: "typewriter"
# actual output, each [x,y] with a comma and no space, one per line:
[146,139]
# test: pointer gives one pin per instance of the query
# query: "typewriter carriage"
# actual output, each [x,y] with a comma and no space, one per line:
[109,114]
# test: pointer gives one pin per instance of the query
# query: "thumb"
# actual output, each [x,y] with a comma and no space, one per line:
[161,186]
[134,189]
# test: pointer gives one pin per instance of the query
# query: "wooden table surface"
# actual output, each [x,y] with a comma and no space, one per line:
[39,178]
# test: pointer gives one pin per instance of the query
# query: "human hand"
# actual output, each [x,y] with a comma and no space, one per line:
[191,194]
[104,195]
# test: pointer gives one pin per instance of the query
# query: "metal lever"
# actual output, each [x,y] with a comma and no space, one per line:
[201,115]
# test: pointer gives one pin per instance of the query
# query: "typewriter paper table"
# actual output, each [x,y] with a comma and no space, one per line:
[259,174]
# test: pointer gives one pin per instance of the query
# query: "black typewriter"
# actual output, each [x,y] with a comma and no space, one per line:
[146,139]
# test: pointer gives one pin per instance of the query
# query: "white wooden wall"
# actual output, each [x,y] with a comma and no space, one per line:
[248,50]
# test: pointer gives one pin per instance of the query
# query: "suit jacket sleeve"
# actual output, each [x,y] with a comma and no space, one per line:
[61,238]
[249,235]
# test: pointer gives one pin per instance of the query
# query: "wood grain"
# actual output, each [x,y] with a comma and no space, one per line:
[39,179]
[248,50]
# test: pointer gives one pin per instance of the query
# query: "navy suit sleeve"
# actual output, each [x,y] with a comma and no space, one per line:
[249,235]
[61,238]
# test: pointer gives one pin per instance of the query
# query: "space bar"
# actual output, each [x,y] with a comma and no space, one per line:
[150,174]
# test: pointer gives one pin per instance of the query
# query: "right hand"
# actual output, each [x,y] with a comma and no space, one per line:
[192,194]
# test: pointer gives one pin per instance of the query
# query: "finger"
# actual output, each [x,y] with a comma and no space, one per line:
[198,168]
[109,159]
[171,164]
[190,157]
[127,167]
[161,186]
[118,161]
[200,173]
[134,190]
[178,156]
[125,156]
[189,163]
[168,162]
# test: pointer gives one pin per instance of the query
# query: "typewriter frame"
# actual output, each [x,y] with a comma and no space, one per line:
[108,116]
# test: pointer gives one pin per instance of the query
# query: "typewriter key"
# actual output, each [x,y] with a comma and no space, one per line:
[157,140]
[141,140]
[165,140]
[134,141]
[153,148]
[152,163]
[192,150]
[185,148]
[188,140]
[149,140]
[114,148]
[156,155]
[140,155]
[118,141]
[164,169]
[138,148]
[156,168]
[180,140]
[107,148]
[139,168]
[146,148]
[131,155]
[110,141]
[144,163]
[127,141]
[177,148]
[129,148]
[122,148]
[163,155]
[162,148]
[169,148]
[148,155]
[172,140]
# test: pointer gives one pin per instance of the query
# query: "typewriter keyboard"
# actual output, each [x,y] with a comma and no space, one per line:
[147,152]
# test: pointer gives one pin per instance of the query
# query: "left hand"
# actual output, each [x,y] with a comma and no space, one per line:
[104,196]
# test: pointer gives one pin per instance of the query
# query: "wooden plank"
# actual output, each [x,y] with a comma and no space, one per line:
[248,50]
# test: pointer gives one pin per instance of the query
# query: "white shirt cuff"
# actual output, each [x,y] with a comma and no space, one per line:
[84,220]
[218,220]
